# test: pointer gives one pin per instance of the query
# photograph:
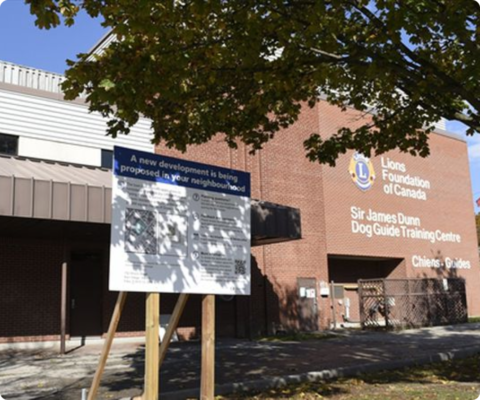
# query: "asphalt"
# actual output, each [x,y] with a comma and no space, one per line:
[240,364]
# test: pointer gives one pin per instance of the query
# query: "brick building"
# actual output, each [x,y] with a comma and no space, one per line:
[391,216]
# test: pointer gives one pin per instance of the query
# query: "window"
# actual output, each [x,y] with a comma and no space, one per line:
[8,144]
[107,159]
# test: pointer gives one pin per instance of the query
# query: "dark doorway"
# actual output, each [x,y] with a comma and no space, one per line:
[86,293]
[307,304]
[345,271]
[225,316]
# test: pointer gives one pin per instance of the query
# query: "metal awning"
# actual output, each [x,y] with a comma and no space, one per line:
[50,190]
[64,192]
[274,223]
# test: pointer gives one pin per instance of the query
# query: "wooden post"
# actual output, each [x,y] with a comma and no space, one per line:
[152,322]
[117,312]
[172,325]
[63,309]
[207,385]
[334,309]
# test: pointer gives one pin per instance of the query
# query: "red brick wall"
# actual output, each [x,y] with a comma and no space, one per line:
[31,295]
[448,208]
[30,289]
[280,173]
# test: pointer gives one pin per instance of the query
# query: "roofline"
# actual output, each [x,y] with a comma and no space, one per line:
[30,67]
[451,135]
[54,162]
[101,41]
[438,131]
[60,96]
[40,93]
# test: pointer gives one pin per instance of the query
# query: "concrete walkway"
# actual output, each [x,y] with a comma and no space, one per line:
[240,364]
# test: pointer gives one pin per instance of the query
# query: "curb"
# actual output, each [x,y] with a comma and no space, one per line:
[327,374]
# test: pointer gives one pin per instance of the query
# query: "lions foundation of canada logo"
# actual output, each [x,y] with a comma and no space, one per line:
[362,172]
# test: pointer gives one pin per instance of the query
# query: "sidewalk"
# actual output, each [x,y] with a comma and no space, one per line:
[43,374]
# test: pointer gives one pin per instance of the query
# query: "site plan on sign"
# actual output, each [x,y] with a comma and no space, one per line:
[178,226]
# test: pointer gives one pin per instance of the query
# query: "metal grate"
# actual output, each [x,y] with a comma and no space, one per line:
[407,303]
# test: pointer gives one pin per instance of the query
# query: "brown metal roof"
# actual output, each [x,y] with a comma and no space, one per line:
[49,190]
[49,170]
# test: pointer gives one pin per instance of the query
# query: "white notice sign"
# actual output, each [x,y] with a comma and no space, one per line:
[178,226]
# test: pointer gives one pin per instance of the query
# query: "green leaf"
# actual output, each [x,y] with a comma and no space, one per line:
[106,84]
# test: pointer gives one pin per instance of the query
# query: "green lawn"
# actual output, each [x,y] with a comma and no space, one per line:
[452,380]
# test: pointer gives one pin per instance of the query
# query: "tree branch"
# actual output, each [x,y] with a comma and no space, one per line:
[448,81]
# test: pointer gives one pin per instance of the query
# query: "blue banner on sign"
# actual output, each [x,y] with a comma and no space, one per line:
[174,171]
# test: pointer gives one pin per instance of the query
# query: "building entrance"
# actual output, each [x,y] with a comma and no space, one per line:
[86,294]
[346,271]
[307,304]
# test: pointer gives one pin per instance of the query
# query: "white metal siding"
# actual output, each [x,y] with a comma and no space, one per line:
[48,150]
[441,124]
[30,77]
[103,43]
[60,121]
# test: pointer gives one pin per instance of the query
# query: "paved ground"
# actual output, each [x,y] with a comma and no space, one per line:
[42,374]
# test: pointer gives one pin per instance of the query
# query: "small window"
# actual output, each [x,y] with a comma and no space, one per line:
[107,159]
[8,144]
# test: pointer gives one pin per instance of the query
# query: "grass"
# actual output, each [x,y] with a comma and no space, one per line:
[450,380]
[473,320]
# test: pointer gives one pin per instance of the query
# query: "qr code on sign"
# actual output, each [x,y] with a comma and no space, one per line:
[240,267]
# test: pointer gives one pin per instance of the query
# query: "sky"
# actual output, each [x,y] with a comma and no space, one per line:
[21,42]
[473,143]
